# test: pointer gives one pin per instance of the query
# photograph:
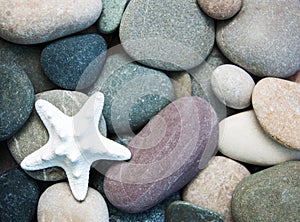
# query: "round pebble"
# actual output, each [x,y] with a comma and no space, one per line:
[19,195]
[233,86]
[37,21]
[269,195]
[58,204]
[34,134]
[169,35]
[242,138]
[263,38]
[74,62]
[214,186]
[184,211]
[220,10]
[16,98]
[276,103]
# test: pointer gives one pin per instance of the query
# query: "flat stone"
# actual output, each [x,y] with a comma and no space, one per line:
[169,35]
[19,195]
[182,83]
[169,151]
[58,204]
[184,211]
[16,101]
[111,15]
[34,135]
[133,94]
[276,103]
[242,138]
[214,186]
[269,195]
[7,162]
[36,21]
[233,86]
[27,58]
[262,38]
[220,10]
[74,62]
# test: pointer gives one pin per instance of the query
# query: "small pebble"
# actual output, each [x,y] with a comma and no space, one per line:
[182,83]
[233,86]
[58,204]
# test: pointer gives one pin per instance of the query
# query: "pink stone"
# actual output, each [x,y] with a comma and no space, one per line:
[168,153]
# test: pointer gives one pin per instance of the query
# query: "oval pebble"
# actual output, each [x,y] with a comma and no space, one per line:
[34,134]
[262,38]
[37,21]
[276,103]
[19,195]
[16,98]
[220,10]
[184,211]
[269,195]
[170,150]
[233,86]
[242,138]
[213,187]
[74,62]
[169,35]
[58,204]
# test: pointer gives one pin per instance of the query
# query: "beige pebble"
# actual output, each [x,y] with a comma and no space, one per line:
[182,84]
[58,204]
[276,103]
[213,187]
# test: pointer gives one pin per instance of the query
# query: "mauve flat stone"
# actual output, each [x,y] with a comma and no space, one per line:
[169,151]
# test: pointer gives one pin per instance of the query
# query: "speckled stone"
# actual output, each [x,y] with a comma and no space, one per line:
[269,195]
[16,98]
[111,15]
[58,204]
[7,162]
[74,62]
[133,94]
[220,10]
[214,186]
[36,21]
[19,195]
[295,77]
[263,38]
[242,138]
[233,86]
[276,103]
[28,58]
[169,151]
[184,211]
[170,35]
[182,83]
[34,135]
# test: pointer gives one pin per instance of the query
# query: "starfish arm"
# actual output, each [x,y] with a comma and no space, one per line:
[40,159]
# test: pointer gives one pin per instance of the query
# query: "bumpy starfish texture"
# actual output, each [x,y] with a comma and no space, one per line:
[74,143]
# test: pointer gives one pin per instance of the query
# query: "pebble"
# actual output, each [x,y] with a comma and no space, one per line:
[213,187]
[58,204]
[36,21]
[184,211]
[111,15]
[16,100]
[242,138]
[133,94]
[295,77]
[220,10]
[269,195]
[276,103]
[34,134]
[169,151]
[7,162]
[170,35]
[27,58]
[233,86]
[182,83]
[263,39]
[74,62]
[19,195]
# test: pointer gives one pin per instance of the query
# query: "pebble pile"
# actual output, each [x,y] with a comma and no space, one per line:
[204,93]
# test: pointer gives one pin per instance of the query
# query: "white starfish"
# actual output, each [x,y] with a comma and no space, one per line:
[74,143]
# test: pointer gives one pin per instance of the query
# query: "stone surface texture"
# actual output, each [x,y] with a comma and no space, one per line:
[7,162]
